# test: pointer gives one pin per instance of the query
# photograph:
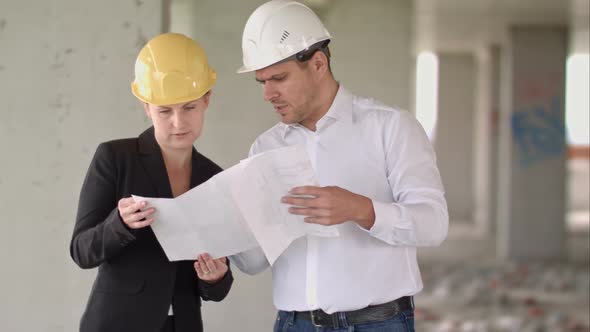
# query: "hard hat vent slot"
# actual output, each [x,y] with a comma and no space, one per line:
[285,35]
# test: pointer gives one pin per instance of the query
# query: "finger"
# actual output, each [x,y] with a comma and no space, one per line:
[307,190]
[210,265]
[199,270]
[203,266]
[132,208]
[141,224]
[310,212]
[220,264]
[139,216]
[124,202]
[301,201]
[203,257]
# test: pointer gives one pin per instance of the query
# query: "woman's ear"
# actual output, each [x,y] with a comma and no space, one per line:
[206,98]
[146,109]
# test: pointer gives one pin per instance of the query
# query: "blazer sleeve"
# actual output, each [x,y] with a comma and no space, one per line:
[218,291]
[99,233]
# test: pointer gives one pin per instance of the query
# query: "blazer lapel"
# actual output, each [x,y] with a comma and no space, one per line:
[152,161]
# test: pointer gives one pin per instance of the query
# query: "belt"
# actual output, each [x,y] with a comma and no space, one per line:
[374,313]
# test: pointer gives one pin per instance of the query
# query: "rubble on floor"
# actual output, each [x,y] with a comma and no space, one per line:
[504,297]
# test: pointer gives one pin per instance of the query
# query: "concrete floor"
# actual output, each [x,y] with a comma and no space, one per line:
[468,290]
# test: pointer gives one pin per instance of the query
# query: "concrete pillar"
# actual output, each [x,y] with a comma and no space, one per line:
[532,148]
[454,132]
[494,132]
[482,141]
[485,147]
[65,73]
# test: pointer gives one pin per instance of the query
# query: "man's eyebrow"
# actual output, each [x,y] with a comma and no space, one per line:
[273,77]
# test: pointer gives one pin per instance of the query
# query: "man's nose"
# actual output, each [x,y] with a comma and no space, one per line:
[269,91]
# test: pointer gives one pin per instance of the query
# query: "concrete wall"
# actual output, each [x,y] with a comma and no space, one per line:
[65,69]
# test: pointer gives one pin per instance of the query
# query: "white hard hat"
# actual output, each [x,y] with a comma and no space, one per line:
[277,30]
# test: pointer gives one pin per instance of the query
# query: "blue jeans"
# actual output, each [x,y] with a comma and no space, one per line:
[288,322]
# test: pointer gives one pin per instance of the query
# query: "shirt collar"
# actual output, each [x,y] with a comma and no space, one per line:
[340,110]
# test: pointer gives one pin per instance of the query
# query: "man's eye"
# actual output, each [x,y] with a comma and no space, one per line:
[189,108]
[164,111]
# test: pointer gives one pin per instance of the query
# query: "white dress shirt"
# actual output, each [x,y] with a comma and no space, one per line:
[379,152]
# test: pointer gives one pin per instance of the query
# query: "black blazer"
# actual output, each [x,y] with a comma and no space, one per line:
[136,283]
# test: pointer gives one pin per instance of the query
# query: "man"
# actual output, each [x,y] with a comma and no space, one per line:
[379,185]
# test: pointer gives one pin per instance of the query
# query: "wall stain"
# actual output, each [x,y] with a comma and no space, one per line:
[64,115]
[62,107]
[69,51]
[126,25]
[141,39]
[1,68]
[58,63]
[138,3]
[57,102]
[539,131]
[2,24]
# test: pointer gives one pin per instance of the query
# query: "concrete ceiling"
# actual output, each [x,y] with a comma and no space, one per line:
[467,25]
[459,25]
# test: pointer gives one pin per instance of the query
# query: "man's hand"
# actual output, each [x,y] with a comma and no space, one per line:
[331,206]
[210,270]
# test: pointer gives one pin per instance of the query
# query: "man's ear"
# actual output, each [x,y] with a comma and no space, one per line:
[319,61]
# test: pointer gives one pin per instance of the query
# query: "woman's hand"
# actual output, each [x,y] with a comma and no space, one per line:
[132,215]
[210,270]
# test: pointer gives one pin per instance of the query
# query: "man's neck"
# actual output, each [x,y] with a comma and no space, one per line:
[327,94]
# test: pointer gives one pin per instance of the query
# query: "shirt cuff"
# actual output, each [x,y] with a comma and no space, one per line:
[388,218]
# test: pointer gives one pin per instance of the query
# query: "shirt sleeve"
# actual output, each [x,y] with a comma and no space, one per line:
[418,216]
[251,262]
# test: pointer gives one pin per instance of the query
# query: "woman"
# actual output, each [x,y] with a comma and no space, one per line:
[137,288]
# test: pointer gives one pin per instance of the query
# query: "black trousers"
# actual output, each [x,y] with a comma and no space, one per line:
[168,325]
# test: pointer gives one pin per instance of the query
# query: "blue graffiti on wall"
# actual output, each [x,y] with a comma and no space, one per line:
[539,132]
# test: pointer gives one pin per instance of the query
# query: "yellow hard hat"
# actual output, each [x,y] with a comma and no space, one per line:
[170,69]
